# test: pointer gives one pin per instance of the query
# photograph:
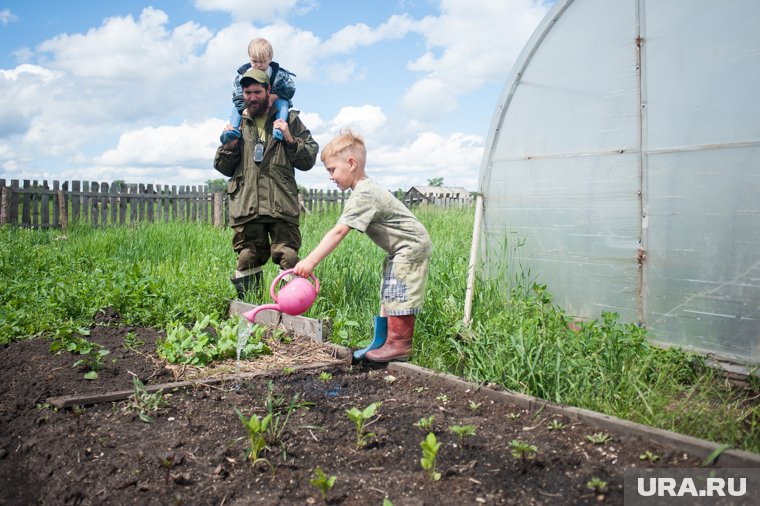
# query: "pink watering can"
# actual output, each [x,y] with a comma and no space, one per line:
[294,299]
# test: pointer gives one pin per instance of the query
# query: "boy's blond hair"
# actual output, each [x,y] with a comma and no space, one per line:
[347,140]
[260,49]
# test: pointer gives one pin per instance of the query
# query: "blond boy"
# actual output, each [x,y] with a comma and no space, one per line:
[373,210]
[282,89]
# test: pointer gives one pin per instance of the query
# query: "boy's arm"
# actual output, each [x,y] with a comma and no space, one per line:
[329,242]
[283,85]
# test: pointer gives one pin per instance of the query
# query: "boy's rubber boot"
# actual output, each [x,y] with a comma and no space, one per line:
[229,136]
[398,346]
[378,339]
[245,284]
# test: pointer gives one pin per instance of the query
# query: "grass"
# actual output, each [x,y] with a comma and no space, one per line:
[153,274]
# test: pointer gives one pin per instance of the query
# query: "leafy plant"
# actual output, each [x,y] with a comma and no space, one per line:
[599,438]
[131,341]
[556,425]
[323,482]
[462,431]
[474,405]
[430,448]
[513,416]
[443,398]
[419,390]
[92,360]
[649,456]
[167,462]
[142,402]
[360,419]
[198,346]
[256,428]
[523,451]
[597,485]
[425,423]
[325,376]
[279,415]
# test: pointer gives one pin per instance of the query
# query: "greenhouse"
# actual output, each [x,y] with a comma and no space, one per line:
[622,169]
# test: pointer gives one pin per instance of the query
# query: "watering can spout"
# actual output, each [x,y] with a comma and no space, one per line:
[295,298]
[251,315]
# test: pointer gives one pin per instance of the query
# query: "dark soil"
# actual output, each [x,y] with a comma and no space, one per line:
[194,450]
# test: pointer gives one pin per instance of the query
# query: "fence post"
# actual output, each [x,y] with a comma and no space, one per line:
[63,212]
[5,204]
[217,219]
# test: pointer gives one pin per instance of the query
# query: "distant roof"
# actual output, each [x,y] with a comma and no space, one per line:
[440,190]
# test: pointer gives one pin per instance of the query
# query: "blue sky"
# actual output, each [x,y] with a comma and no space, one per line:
[140,91]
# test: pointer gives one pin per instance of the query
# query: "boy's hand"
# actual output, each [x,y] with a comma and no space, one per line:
[303,268]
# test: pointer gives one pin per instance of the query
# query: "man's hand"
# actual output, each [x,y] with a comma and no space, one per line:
[282,126]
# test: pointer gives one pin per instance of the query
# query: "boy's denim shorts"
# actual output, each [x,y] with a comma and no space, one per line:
[402,291]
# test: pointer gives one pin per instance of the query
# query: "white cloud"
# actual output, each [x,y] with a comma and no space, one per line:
[6,17]
[469,43]
[166,146]
[255,10]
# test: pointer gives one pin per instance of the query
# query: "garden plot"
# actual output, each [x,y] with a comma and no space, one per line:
[191,446]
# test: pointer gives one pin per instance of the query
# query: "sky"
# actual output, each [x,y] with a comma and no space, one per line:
[140,91]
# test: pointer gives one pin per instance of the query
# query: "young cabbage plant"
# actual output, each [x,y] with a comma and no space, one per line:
[430,448]
[360,419]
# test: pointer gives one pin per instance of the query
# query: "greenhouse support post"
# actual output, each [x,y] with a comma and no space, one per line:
[473,260]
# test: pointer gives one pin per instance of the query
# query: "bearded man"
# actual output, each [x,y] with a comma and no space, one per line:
[262,189]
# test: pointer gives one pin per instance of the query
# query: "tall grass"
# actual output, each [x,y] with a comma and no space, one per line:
[158,273]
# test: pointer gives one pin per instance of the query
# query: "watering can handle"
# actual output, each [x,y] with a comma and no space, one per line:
[282,275]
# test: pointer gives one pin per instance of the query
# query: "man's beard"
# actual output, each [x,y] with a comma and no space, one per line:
[257,107]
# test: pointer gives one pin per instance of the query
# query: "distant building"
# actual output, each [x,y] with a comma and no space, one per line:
[437,195]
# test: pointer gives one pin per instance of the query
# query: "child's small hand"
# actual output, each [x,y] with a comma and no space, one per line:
[303,269]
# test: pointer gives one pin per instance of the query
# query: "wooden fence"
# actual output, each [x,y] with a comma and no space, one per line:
[39,204]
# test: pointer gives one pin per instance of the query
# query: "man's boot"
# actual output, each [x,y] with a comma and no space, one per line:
[378,339]
[398,346]
[245,284]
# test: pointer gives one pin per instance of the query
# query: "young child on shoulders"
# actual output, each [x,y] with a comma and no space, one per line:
[375,211]
[260,54]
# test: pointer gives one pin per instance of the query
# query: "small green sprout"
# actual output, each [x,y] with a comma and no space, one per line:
[325,376]
[425,423]
[360,418]
[419,390]
[430,448]
[443,398]
[142,402]
[649,456]
[256,428]
[462,431]
[556,425]
[523,451]
[322,482]
[390,379]
[597,485]
[287,371]
[475,405]
[513,416]
[599,438]
[387,502]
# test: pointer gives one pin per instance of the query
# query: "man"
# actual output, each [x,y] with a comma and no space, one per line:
[262,190]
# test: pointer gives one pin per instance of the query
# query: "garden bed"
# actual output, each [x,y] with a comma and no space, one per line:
[193,452]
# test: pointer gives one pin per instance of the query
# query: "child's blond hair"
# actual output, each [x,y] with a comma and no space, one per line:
[347,140]
[261,50]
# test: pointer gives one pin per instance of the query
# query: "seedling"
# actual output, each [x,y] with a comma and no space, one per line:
[443,398]
[419,390]
[322,482]
[462,431]
[513,416]
[360,418]
[143,402]
[167,462]
[523,451]
[387,502]
[649,456]
[475,405]
[430,448]
[597,485]
[599,438]
[389,379]
[131,341]
[287,371]
[556,425]
[274,406]
[425,423]
[256,428]
[325,376]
